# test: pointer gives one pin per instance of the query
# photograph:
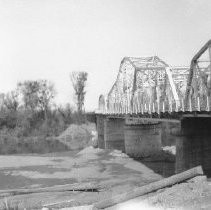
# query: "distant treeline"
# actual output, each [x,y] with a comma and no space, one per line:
[29,111]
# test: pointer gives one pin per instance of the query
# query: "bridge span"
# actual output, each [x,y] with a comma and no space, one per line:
[152,102]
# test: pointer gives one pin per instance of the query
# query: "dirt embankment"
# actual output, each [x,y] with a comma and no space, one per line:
[78,137]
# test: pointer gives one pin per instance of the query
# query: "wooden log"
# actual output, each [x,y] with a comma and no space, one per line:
[91,186]
[149,188]
[58,203]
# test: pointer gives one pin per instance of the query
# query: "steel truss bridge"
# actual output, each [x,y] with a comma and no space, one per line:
[149,87]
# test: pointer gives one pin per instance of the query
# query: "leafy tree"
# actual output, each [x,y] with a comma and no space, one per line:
[45,95]
[29,90]
[9,104]
[37,95]
[78,80]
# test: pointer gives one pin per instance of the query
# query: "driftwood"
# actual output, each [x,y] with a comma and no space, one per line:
[178,178]
[91,186]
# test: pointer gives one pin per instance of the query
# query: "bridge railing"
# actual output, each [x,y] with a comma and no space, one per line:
[194,104]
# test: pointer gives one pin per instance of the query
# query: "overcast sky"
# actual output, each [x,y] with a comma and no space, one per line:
[47,39]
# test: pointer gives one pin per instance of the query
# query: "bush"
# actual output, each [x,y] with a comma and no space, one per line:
[26,131]
[32,145]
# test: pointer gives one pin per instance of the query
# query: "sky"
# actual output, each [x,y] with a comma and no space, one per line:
[48,39]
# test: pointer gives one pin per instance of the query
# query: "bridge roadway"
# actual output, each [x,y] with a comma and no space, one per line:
[152,104]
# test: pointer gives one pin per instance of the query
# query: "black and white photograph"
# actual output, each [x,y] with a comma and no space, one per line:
[105,104]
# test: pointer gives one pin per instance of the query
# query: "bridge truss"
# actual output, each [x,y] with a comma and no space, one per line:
[149,85]
[198,90]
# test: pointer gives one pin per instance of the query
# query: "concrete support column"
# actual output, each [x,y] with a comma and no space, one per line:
[194,146]
[169,133]
[100,131]
[114,133]
[142,139]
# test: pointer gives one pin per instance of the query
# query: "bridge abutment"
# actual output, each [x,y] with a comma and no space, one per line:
[100,131]
[194,145]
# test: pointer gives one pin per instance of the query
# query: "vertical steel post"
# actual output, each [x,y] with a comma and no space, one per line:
[183,108]
[163,106]
[198,103]
[190,104]
[208,104]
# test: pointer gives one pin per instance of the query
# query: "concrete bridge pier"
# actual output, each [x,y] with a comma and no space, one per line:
[114,133]
[142,139]
[169,133]
[194,145]
[100,131]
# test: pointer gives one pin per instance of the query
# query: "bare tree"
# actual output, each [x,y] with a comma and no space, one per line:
[79,83]
[10,100]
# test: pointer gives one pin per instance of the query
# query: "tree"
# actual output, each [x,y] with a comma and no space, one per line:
[11,101]
[2,98]
[79,83]
[29,90]
[66,112]
[37,95]
[45,94]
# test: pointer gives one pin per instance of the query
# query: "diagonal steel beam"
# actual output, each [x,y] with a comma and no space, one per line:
[192,66]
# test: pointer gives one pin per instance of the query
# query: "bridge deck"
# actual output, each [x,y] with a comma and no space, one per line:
[162,117]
